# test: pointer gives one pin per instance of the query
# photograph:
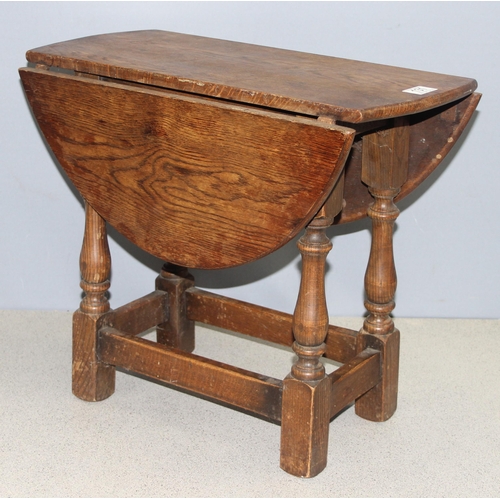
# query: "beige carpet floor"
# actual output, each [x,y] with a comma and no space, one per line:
[151,441]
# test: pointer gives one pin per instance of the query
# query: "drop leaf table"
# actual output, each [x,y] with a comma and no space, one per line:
[210,154]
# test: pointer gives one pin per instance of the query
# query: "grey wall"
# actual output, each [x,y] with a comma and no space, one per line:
[447,239]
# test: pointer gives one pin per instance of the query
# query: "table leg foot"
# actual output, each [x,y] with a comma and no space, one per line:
[304,426]
[92,380]
[379,403]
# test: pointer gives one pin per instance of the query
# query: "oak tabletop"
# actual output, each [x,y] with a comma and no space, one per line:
[343,89]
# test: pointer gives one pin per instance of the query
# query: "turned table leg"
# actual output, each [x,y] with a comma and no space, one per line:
[385,167]
[92,380]
[307,389]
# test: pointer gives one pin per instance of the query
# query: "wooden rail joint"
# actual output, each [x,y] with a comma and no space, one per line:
[355,378]
[119,346]
[139,315]
[263,323]
[241,389]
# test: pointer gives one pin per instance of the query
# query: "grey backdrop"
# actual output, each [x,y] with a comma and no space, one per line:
[447,240]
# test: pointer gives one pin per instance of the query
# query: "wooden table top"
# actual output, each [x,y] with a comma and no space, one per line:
[346,90]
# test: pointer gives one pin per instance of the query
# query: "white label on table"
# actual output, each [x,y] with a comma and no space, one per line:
[419,90]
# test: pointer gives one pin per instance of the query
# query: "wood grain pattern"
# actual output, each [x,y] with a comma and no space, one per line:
[240,67]
[385,174]
[305,426]
[310,318]
[354,378]
[380,402]
[177,330]
[344,89]
[139,315]
[307,392]
[91,379]
[433,134]
[263,323]
[243,389]
[192,149]
[95,264]
[197,184]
